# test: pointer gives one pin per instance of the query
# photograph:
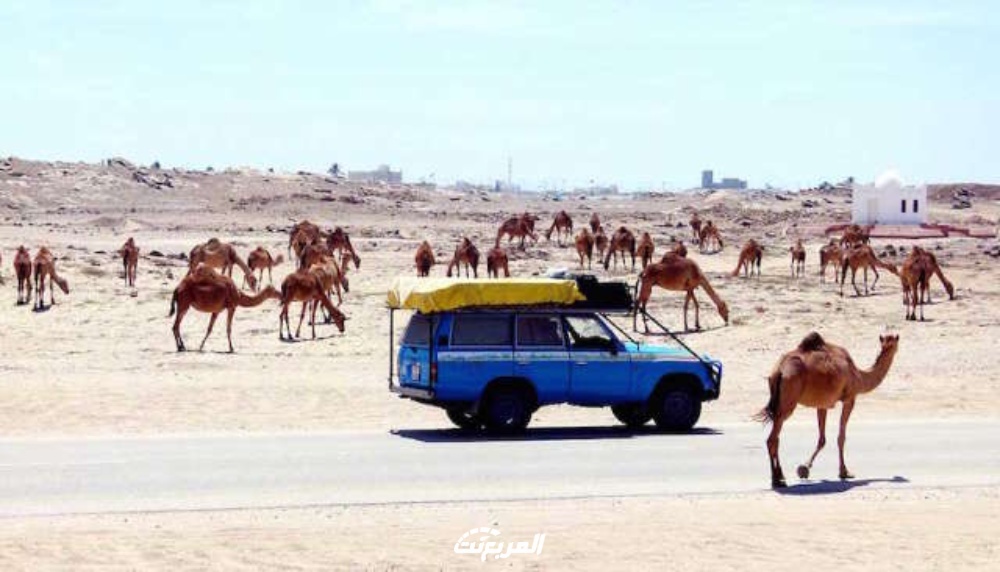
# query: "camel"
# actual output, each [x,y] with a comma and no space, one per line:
[585,246]
[332,276]
[855,235]
[221,255]
[302,234]
[935,269]
[562,224]
[830,254]
[600,242]
[496,260]
[863,257]
[518,227]
[208,291]
[622,241]
[915,275]
[22,269]
[306,286]
[424,259]
[819,374]
[709,233]
[595,223]
[798,253]
[130,260]
[645,249]
[750,256]
[339,241]
[676,248]
[260,259]
[677,273]
[465,253]
[695,223]
[45,266]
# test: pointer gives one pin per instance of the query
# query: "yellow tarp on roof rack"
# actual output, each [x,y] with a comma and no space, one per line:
[442,294]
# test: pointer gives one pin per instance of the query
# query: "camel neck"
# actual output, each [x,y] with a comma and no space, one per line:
[256,300]
[870,379]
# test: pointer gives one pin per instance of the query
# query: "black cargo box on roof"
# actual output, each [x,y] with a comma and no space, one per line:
[608,296]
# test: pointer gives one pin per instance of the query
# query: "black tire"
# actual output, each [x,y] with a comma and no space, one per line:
[633,415]
[506,410]
[676,410]
[463,418]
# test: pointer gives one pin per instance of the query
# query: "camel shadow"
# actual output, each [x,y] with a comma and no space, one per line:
[825,487]
[545,434]
[654,334]
[39,310]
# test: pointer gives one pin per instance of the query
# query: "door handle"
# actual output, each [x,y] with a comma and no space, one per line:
[525,362]
[581,363]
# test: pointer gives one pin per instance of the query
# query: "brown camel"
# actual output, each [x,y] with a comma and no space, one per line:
[819,374]
[914,275]
[496,260]
[260,259]
[600,242]
[130,260]
[863,257]
[676,248]
[303,234]
[622,241]
[518,227]
[830,254]
[644,250]
[305,286]
[677,273]
[935,269]
[45,266]
[424,259]
[695,223]
[465,253]
[585,246]
[855,235]
[339,241]
[562,224]
[709,235]
[22,269]
[332,276]
[220,255]
[595,222]
[750,256]
[798,252]
[208,291]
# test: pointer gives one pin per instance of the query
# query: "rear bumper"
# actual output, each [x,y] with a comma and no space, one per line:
[422,394]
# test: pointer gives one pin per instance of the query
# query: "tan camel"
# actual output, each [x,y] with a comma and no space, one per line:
[220,255]
[830,254]
[819,374]
[585,246]
[676,248]
[562,224]
[600,242]
[424,259]
[332,276]
[339,241]
[465,253]
[644,250]
[595,222]
[208,291]
[709,235]
[914,275]
[750,256]
[935,269]
[303,234]
[307,287]
[496,260]
[622,242]
[518,227]
[22,269]
[862,257]
[695,223]
[680,274]
[855,235]
[798,252]
[129,253]
[259,260]
[45,267]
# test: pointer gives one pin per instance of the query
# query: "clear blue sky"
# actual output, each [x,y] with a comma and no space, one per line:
[640,93]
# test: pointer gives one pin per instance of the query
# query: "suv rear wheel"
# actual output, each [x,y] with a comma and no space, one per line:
[463,418]
[506,410]
[676,410]
[633,415]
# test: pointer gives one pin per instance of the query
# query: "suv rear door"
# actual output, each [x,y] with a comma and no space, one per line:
[600,370]
[540,355]
[478,350]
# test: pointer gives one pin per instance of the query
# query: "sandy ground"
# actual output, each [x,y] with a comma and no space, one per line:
[102,361]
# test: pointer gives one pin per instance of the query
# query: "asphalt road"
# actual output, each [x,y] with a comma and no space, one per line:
[50,476]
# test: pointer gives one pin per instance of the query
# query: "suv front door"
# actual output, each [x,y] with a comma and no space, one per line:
[600,373]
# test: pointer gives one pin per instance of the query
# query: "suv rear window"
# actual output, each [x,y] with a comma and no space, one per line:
[539,331]
[418,331]
[481,330]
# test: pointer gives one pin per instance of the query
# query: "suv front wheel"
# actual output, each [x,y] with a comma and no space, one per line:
[506,410]
[676,410]
[633,415]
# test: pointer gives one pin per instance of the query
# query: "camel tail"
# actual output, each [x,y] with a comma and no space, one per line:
[173,303]
[770,411]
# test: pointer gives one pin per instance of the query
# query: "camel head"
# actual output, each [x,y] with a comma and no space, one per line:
[724,311]
[63,285]
[271,293]
[252,281]
[890,343]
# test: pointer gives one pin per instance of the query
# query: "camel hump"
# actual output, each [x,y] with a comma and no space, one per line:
[812,342]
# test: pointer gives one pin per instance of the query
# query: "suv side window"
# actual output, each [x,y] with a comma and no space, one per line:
[587,333]
[481,330]
[418,331]
[535,330]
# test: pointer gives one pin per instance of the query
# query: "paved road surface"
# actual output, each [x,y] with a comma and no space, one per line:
[199,472]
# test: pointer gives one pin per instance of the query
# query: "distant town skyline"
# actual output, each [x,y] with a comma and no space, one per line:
[640,94]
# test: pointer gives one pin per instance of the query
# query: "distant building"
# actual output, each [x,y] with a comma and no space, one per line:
[707,179]
[382,174]
[708,182]
[889,201]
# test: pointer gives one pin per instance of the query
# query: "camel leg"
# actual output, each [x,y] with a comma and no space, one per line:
[229,327]
[697,311]
[821,420]
[211,322]
[845,415]
[315,305]
[874,282]
[181,310]
[773,441]
[282,320]
[298,330]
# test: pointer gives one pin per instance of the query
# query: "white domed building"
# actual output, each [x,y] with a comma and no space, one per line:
[889,201]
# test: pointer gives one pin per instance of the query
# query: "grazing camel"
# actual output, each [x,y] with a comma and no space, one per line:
[332,275]
[709,234]
[600,242]
[45,266]
[307,287]
[819,374]
[622,241]
[339,241]
[518,227]
[935,269]
[562,224]
[221,255]
[424,259]
[130,260]
[595,223]
[750,256]
[302,234]
[465,253]
[855,235]
[644,250]
[862,257]
[676,248]
[695,223]
[677,273]
[259,260]
[208,291]
[830,254]
[798,253]
[496,260]
[585,246]
[22,269]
